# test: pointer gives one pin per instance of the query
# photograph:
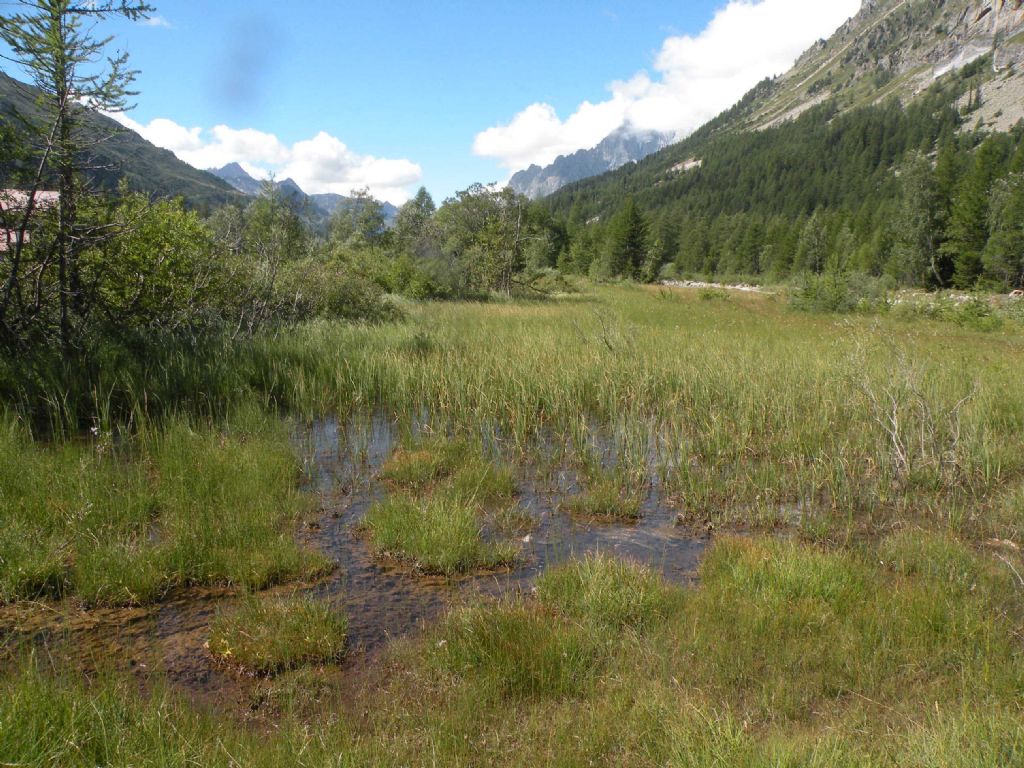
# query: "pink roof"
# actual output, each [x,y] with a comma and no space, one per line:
[17,200]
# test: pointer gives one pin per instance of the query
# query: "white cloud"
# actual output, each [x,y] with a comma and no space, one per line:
[695,79]
[156,21]
[320,164]
[325,164]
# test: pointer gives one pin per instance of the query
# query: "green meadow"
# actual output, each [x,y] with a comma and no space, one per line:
[860,601]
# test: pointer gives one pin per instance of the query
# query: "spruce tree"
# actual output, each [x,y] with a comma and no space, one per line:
[627,238]
[968,229]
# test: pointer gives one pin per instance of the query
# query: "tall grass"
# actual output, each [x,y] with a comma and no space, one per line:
[118,523]
[831,647]
[746,409]
[787,654]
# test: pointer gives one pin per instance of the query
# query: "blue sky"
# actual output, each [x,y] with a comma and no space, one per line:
[392,95]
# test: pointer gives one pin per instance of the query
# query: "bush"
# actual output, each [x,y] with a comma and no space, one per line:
[839,293]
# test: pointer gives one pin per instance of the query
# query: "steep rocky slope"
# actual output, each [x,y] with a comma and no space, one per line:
[897,48]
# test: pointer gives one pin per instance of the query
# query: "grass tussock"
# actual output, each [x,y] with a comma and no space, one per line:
[606,592]
[441,534]
[517,650]
[603,499]
[266,635]
[443,493]
[117,524]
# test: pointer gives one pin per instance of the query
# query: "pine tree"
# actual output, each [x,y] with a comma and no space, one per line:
[1004,253]
[968,229]
[627,241]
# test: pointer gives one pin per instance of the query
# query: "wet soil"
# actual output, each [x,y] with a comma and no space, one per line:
[383,601]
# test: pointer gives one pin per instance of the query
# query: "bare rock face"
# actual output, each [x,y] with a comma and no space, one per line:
[626,145]
[897,48]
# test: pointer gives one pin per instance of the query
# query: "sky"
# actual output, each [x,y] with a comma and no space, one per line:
[391,95]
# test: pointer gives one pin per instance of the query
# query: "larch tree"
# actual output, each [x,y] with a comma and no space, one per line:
[968,229]
[54,43]
[915,257]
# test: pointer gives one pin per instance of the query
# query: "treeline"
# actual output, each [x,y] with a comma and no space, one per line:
[890,191]
[478,242]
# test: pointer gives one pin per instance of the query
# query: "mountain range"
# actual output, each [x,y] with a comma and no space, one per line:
[625,145]
[891,48]
[124,155]
[318,206]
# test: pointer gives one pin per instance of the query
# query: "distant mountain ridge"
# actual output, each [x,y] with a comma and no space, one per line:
[321,205]
[624,145]
[126,156]
[235,175]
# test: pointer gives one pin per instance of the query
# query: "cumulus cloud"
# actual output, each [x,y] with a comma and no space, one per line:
[696,77]
[320,164]
[325,164]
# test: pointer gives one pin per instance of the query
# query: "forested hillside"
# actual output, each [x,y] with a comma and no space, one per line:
[891,150]
[888,189]
[115,155]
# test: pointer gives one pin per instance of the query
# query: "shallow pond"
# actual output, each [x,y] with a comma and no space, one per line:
[382,600]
